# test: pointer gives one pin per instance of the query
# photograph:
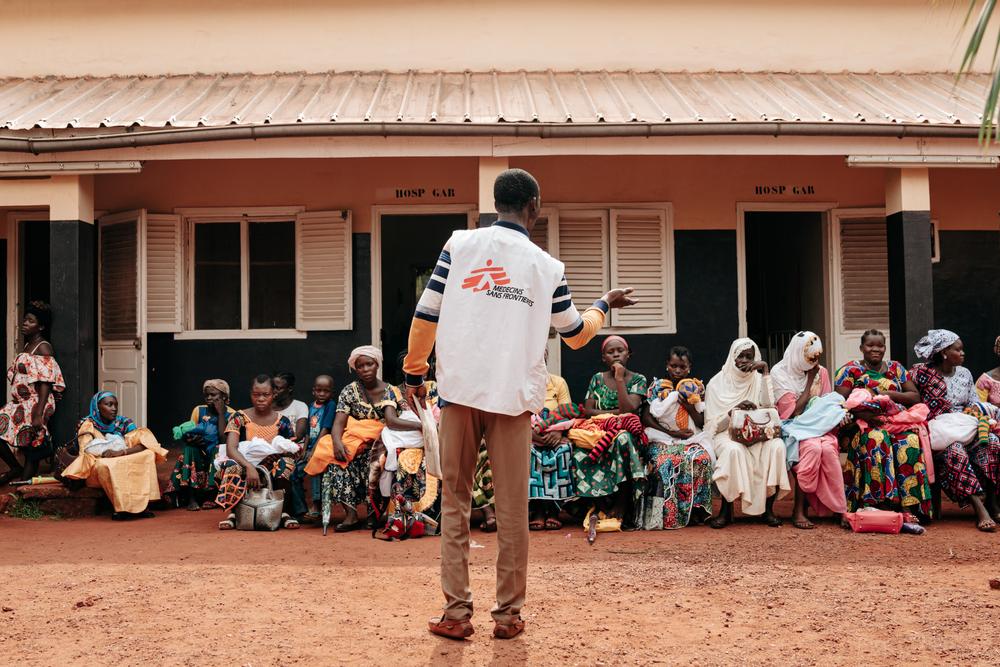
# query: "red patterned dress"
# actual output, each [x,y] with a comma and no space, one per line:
[24,375]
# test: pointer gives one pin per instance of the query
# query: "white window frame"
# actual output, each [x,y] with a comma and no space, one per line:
[552,210]
[245,216]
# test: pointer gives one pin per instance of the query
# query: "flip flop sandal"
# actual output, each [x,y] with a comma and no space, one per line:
[229,523]
[804,525]
[288,523]
[348,527]
[310,518]
[209,505]
[536,524]
[553,524]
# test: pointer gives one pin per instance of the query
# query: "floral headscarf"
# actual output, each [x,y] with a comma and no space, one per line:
[935,341]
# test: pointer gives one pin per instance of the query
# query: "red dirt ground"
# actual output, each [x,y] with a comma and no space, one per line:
[173,590]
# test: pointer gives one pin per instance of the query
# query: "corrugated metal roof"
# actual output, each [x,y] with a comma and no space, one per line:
[217,100]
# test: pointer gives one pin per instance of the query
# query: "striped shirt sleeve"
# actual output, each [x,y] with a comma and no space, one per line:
[423,329]
[576,330]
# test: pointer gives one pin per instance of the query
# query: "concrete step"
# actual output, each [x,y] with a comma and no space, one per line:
[55,499]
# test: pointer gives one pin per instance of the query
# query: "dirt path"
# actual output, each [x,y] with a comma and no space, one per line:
[172,590]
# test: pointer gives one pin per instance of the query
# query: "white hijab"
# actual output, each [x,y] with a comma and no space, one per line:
[789,375]
[731,386]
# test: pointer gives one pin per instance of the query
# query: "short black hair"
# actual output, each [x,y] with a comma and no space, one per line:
[42,312]
[288,377]
[681,352]
[263,378]
[513,189]
[871,332]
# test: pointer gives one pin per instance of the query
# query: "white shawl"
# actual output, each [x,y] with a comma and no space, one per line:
[802,354]
[731,386]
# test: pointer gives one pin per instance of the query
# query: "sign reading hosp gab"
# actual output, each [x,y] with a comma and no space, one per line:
[784,189]
[404,193]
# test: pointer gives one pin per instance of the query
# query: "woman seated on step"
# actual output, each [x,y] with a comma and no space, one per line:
[612,478]
[753,474]
[353,463]
[813,461]
[966,460]
[119,457]
[885,461]
[551,480]
[259,437]
[680,452]
[192,483]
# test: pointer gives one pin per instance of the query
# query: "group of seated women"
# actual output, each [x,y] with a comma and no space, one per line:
[636,454]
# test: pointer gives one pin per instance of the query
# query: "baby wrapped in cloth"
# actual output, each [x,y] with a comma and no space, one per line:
[665,407]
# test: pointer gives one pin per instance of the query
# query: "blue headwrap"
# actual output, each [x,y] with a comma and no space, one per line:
[120,425]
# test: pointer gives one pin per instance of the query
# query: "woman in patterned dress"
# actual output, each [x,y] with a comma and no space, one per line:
[194,473]
[884,469]
[968,472]
[235,475]
[680,486]
[619,475]
[35,383]
[367,398]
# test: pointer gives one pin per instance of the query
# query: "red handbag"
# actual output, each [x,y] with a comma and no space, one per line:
[875,521]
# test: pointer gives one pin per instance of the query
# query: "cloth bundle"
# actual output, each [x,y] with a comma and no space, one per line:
[665,407]
[896,420]
[568,412]
[614,425]
[988,420]
[357,434]
[258,449]
[111,442]
[822,415]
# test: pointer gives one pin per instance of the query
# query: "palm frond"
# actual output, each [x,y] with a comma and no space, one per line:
[988,128]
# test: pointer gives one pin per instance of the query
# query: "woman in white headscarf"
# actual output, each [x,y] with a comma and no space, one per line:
[819,478]
[754,474]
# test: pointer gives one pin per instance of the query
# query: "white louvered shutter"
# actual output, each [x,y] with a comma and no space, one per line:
[164,272]
[640,258]
[864,270]
[583,236]
[323,284]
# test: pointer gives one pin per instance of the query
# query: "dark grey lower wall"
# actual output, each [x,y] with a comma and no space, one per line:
[967,293]
[177,368]
[707,314]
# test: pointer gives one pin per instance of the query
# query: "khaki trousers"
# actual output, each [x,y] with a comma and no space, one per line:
[508,442]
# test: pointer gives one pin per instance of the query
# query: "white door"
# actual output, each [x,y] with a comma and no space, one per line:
[121,311]
[859,281]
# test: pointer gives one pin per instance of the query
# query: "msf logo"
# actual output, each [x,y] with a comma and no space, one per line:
[486,278]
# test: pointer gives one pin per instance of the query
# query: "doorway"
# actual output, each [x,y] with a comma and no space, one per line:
[26,279]
[411,245]
[785,270]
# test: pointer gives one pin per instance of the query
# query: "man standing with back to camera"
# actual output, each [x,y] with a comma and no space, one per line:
[489,305]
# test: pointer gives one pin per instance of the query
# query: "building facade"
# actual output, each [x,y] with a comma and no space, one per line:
[242,188]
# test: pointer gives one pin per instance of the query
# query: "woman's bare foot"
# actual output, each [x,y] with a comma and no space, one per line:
[802,522]
[193,505]
[489,524]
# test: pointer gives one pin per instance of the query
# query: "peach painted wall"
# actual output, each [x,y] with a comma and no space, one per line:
[317,184]
[966,198]
[104,37]
[703,189]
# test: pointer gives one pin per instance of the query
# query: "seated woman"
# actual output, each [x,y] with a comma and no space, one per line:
[615,477]
[35,383]
[118,457]
[988,384]
[968,470]
[551,463]
[368,399]
[885,467]
[754,474]
[193,479]
[819,478]
[272,450]
[680,456]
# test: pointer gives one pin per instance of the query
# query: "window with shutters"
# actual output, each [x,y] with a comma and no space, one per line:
[616,246]
[864,273]
[270,272]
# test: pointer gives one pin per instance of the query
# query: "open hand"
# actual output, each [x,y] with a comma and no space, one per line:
[620,298]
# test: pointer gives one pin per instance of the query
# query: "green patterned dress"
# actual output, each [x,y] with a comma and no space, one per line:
[623,462]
